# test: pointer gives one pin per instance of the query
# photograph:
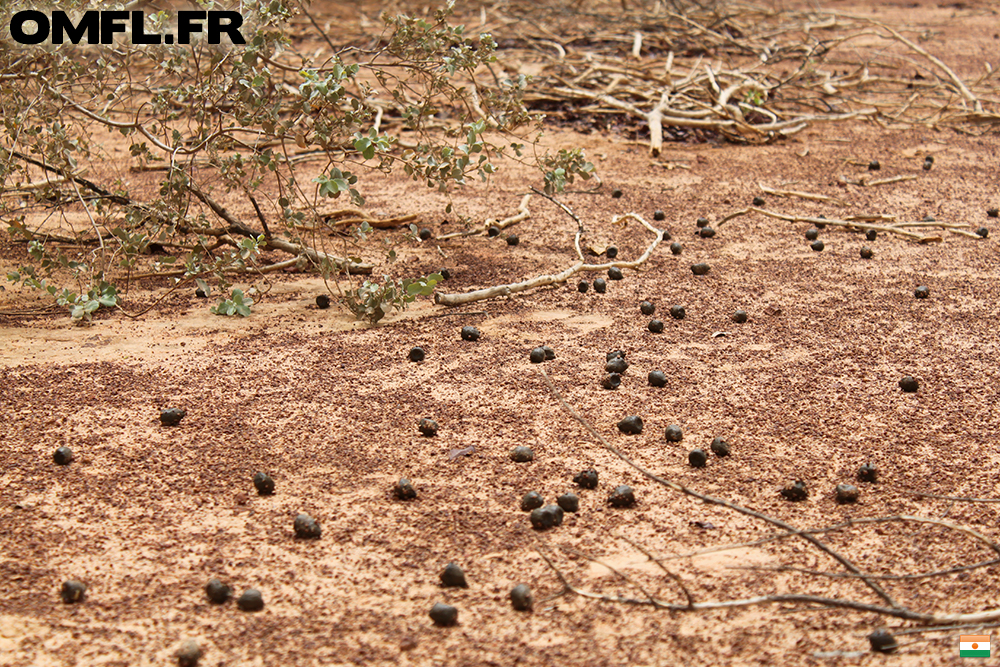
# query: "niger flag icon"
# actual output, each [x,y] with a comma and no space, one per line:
[974,646]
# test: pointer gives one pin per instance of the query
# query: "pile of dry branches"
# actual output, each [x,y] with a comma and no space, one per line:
[749,74]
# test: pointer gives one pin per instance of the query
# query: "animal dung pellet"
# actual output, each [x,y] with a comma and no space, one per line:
[427,427]
[263,483]
[443,615]
[217,592]
[586,479]
[453,576]
[251,600]
[622,496]
[522,454]
[631,425]
[306,527]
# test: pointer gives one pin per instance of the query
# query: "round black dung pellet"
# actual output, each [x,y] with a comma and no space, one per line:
[616,194]
[611,252]
[700,269]
[868,473]
[251,600]
[812,234]
[172,416]
[982,232]
[546,517]
[611,381]
[796,492]
[701,222]
[404,489]
[453,577]
[866,252]
[614,354]
[614,273]
[758,201]
[427,427]
[537,355]
[616,365]
[323,301]
[817,246]
[188,654]
[992,212]
[583,286]
[521,598]
[666,236]
[63,455]
[631,425]
[871,235]
[443,615]
[657,379]
[217,592]
[646,308]
[740,316]
[263,483]
[470,333]
[550,354]
[928,163]
[922,292]
[72,591]
[706,232]
[882,641]
[846,493]
[659,215]
[425,234]
[909,384]
[600,286]
[821,225]
[697,458]
[622,496]
[677,312]
[531,500]
[570,502]
[444,273]
[676,248]
[306,527]
[493,231]
[874,165]
[655,326]
[719,447]
[586,479]
[673,433]
[200,293]
[416,354]
[522,454]
[512,239]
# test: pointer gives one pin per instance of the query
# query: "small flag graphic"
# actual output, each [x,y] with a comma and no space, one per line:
[974,646]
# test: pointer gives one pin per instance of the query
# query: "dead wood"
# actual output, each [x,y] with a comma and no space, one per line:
[555,278]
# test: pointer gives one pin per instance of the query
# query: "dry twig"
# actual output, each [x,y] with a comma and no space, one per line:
[551,279]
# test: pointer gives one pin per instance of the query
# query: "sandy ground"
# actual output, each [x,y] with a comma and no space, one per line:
[806,389]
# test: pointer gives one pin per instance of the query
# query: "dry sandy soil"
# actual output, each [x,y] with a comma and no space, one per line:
[806,389]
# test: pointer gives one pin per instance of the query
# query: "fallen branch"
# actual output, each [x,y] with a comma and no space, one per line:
[854,224]
[316,256]
[865,183]
[802,195]
[522,214]
[551,279]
